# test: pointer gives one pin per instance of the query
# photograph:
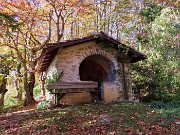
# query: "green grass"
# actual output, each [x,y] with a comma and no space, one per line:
[125,118]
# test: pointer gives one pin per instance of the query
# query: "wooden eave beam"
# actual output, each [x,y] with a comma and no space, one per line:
[47,59]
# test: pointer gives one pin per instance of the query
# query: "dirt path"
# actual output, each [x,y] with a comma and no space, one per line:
[33,106]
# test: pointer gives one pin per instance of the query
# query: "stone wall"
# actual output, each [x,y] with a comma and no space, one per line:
[111,91]
[127,80]
[69,59]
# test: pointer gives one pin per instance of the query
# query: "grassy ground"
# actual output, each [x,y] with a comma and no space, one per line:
[119,118]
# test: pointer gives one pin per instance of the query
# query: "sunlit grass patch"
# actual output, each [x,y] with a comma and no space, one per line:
[10,97]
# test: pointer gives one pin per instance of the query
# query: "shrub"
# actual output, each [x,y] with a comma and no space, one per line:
[37,91]
[162,105]
[43,105]
[157,104]
[176,100]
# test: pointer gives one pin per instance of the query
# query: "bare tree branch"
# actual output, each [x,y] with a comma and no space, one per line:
[35,49]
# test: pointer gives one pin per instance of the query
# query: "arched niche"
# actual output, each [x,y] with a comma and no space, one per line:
[96,68]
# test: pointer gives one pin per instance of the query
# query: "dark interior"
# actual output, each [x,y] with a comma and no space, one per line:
[91,71]
[96,68]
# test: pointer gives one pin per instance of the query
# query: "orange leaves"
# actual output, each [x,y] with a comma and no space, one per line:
[74,2]
[24,9]
[87,120]
[18,8]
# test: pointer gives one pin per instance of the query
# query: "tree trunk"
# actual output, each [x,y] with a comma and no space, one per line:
[19,95]
[2,98]
[43,90]
[138,93]
[18,82]
[29,81]
[29,86]
[18,88]
[43,82]
[3,91]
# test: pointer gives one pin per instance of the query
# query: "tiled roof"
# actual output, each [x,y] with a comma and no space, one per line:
[51,49]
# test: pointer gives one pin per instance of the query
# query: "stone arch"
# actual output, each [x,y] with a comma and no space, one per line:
[109,56]
[97,68]
[96,51]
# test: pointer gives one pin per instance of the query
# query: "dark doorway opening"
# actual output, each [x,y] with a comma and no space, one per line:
[95,68]
[91,71]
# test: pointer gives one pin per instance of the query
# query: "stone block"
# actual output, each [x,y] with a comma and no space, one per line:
[84,97]
[111,91]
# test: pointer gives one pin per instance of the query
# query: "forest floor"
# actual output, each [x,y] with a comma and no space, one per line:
[125,118]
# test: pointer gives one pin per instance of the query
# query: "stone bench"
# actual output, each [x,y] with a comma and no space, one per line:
[60,89]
